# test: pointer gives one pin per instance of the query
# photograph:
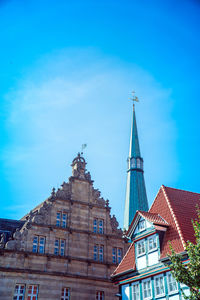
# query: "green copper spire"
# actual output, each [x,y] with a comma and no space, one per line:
[136,198]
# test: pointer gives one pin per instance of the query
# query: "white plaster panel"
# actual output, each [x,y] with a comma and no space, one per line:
[125,292]
[148,224]
[153,258]
[141,262]
[174,297]
[186,292]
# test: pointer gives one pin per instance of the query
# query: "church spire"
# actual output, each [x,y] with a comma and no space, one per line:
[136,198]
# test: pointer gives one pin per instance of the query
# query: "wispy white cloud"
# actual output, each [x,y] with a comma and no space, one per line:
[75,97]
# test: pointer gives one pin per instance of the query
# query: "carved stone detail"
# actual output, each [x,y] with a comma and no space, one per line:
[64,192]
[43,214]
[3,240]
[79,168]
[115,224]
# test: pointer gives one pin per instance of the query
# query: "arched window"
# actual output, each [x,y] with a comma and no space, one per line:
[138,163]
[133,163]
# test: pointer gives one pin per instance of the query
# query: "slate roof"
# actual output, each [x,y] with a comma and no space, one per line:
[177,208]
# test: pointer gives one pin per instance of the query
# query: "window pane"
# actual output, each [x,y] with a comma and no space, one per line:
[64,220]
[152,243]
[100,226]
[95,226]
[141,247]
[56,247]
[58,218]
[62,247]
[42,243]
[101,253]
[65,294]
[135,292]
[95,252]
[35,244]
[114,255]
[119,255]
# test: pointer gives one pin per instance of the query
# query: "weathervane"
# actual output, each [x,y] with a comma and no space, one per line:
[134,98]
[83,147]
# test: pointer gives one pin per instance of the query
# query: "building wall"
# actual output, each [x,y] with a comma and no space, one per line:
[77,269]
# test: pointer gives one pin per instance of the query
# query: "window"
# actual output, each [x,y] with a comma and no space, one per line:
[136,291]
[98,252]
[61,219]
[38,244]
[172,284]
[116,255]
[133,163]
[141,247]
[99,295]
[98,226]
[138,163]
[32,292]
[152,242]
[141,225]
[65,294]
[147,293]
[95,226]
[59,247]
[19,292]
[159,285]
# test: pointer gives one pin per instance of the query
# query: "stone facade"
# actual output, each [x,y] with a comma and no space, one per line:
[66,246]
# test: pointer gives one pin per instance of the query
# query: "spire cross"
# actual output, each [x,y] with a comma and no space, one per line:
[134,98]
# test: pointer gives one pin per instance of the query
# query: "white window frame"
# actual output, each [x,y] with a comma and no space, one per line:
[59,247]
[31,294]
[35,244]
[62,247]
[17,293]
[98,253]
[101,253]
[137,293]
[38,244]
[66,292]
[168,283]
[143,221]
[64,219]
[58,218]
[137,244]
[99,296]
[95,222]
[116,255]
[119,256]
[154,237]
[145,281]
[158,277]
[100,225]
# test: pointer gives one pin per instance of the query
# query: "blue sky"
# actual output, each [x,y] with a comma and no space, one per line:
[66,72]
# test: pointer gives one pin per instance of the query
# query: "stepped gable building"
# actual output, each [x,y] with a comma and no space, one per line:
[65,248]
[144,272]
[136,197]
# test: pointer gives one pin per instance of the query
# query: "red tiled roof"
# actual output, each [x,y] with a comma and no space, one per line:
[153,218]
[128,261]
[177,208]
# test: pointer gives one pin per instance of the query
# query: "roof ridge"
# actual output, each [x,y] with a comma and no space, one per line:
[173,215]
[169,187]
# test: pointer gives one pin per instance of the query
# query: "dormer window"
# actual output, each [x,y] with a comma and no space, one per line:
[141,225]
[141,247]
[152,243]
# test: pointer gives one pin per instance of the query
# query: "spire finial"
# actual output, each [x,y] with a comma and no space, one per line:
[134,98]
